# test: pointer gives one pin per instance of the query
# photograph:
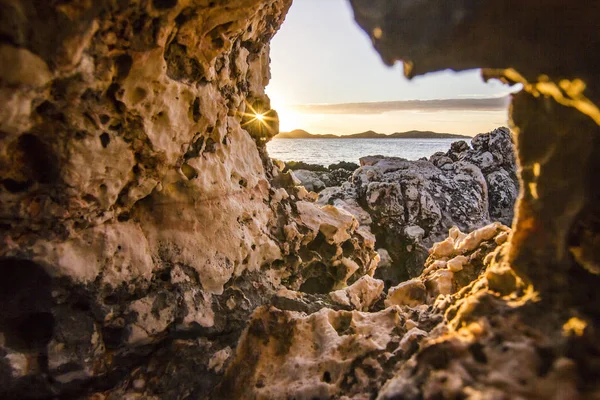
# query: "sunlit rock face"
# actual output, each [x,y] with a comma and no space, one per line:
[409,205]
[141,220]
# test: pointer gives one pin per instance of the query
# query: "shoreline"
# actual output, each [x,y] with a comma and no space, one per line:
[371,138]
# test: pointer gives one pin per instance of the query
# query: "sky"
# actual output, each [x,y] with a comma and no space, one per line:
[327,78]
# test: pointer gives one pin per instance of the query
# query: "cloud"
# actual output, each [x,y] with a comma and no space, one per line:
[477,104]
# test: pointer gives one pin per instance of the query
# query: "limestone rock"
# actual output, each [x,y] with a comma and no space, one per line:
[138,206]
[360,295]
[316,181]
[412,204]
[493,154]
[556,125]
[310,180]
[323,355]
[331,353]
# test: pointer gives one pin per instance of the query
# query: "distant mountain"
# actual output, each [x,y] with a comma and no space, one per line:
[427,135]
[302,134]
[367,135]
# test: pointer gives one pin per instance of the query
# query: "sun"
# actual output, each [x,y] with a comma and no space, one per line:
[260,117]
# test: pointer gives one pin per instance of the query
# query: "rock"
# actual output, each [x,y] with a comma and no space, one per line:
[360,295]
[310,180]
[329,353]
[408,293]
[137,201]
[336,177]
[316,181]
[291,364]
[493,153]
[412,204]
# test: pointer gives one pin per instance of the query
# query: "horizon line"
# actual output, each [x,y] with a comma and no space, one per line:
[332,135]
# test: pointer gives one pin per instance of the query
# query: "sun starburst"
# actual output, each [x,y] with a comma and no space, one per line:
[260,119]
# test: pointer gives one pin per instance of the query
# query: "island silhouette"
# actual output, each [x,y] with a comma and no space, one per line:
[302,134]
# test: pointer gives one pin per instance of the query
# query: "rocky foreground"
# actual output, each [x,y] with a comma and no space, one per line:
[150,249]
[409,205]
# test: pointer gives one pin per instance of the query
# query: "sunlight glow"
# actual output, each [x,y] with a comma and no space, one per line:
[258,120]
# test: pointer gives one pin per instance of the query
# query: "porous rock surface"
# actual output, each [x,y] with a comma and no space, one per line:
[353,353]
[409,205]
[493,153]
[141,219]
[316,181]
[142,223]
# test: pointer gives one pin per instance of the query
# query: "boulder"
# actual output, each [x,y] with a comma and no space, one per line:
[412,204]
[310,180]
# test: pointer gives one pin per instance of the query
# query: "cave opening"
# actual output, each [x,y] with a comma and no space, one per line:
[340,108]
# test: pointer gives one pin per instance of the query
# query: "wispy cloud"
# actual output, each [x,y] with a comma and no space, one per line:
[473,104]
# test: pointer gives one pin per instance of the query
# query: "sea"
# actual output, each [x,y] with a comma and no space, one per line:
[329,151]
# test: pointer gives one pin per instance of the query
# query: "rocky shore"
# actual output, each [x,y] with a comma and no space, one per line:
[409,205]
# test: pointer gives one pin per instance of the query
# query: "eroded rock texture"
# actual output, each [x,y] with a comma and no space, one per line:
[332,354]
[409,205]
[141,220]
[556,122]
[317,181]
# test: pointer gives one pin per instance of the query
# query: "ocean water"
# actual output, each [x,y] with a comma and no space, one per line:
[329,151]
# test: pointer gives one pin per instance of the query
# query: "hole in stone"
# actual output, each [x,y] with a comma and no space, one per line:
[218,42]
[14,186]
[25,300]
[164,4]
[139,94]
[183,17]
[342,323]
[196,110]
[327,377]
[47,109]
[195,149]
[123,64]
[165,275]
[317,285]
[325,123]
[478,354]
[104,139]
[123,217]
[182,67]
[211,146]
[113,92]
[39,159]
[348,248]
